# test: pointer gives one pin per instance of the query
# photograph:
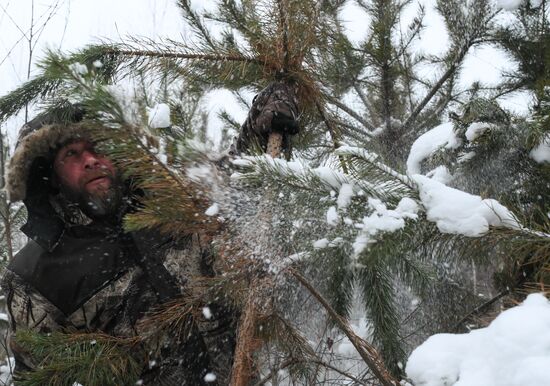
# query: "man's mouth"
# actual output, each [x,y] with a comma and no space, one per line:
[98,180]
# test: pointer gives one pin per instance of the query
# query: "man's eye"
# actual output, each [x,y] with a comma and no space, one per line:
[70,153]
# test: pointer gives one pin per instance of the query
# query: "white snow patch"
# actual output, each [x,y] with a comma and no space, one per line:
[159,116]
[210,377]
[328,176]
[535,3]
[78,68]
[458,212]
[383,219]
[97,63]
[441,174]
[332,216]
[206,312]
[476,129]
[464,157]
[344,196]
[320,244]
[408,208]
[245,162]
[213,210]
[541,153]
[442,136]
[509,5]
[514,350]
[296,257]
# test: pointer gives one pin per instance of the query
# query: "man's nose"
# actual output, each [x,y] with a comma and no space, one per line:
[91,160]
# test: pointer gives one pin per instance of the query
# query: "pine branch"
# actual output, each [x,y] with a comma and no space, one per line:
[378,296]
[451,70]
[16,100]
[182,55]
[66,358]
[367,168]
[195,21]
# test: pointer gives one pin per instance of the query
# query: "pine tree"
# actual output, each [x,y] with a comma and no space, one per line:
[308,244]
[498,161]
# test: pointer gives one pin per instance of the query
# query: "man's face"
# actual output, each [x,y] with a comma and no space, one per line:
[86,177]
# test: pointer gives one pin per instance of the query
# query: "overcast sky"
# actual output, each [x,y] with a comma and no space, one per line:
[70,24]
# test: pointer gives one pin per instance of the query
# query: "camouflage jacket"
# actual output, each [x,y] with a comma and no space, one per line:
[61,290]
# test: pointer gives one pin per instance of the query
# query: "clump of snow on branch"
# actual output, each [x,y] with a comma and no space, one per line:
[78,68]
[383,219]
[332,179]
[442,136]
[514,350]
[541,153]
[207,313]
[159,116]
[210,377]
[458,212]
[509,5]
[213,210]
[441,174]
[332,216]
[476,129]
[321,243]
[344,196]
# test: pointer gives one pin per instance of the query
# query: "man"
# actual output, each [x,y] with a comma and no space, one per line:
[81,270]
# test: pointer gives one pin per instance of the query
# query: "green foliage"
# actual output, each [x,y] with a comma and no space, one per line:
[336,266]
[90,359]
[527,41]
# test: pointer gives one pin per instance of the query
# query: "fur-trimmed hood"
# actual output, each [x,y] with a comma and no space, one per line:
[32,144]
[30,169]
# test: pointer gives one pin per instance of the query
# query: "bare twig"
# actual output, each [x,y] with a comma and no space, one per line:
[332,132]
[350,112]
[367,352]
[480,308]
[292,361]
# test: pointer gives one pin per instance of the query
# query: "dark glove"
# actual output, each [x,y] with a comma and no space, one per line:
[43,223]
[274,109]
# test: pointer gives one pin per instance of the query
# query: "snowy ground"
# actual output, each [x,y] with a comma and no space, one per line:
[514,350]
